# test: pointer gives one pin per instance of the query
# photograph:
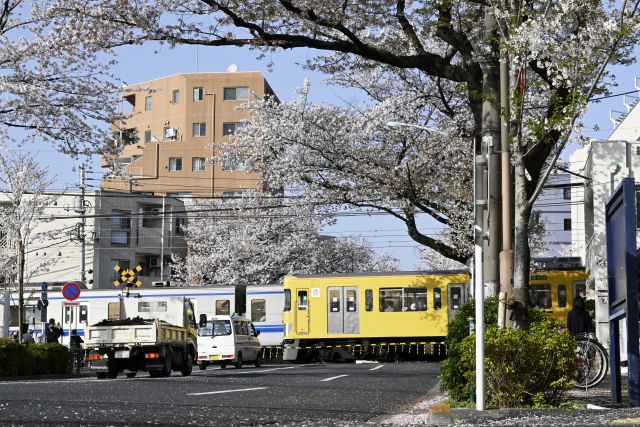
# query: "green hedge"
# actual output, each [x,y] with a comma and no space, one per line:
[35,359]
[504,351]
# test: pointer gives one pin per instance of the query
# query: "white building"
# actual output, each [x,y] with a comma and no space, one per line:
[553,208]
[601,166]
[127,230]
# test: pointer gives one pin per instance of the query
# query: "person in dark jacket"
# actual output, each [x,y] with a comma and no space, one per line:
[578,320]
[53,331]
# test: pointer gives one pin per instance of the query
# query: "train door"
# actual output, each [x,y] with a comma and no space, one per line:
[75,316]
[456,299]
[302,311]
[343,315]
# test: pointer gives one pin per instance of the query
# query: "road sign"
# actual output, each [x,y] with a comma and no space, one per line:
[71,291]
[127,276]
[45,286]
[70,303]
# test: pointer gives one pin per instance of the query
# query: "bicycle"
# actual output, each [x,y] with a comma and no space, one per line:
[75,361]
[594,361]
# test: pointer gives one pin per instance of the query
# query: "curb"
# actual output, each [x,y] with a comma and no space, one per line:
[46,377]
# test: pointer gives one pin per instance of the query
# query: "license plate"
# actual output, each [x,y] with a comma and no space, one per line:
[215,357]
[122,354]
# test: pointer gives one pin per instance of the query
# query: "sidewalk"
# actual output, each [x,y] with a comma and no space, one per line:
[84,372]
[596,404]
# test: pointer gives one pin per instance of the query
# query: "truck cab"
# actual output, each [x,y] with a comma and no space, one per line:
[226,340]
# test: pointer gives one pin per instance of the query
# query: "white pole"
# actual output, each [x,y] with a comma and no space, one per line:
[479,327]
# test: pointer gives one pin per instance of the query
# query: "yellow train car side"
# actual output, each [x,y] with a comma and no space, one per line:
[362,313]
[554,291]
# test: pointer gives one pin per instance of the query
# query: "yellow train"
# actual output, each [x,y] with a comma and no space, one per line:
[397,314]
[554,287]
[382,315]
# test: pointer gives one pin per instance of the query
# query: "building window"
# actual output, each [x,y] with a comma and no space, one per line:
[147,103]
[176,97]
[567,224]
[124,264]
[232,165]
[198,94]
[175,164]
[199,129]
[230,128]
[236,93]
[566,193]
[147,136]
[198,164]
[180,223]
[120,227]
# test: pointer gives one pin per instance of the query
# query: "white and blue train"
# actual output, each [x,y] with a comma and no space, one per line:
[262,304]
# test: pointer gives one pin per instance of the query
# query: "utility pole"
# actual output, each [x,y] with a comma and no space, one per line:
[506,256]
[490,142]
[79,207]
[20,287]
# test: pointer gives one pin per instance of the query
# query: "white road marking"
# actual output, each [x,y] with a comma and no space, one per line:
[333,378]
[253,371]
[226,391]
[377,367]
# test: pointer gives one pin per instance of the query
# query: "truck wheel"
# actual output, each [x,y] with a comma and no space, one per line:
[258,361]
[101,375]
[238,363]
[167,366]
[131,374]
[187,366]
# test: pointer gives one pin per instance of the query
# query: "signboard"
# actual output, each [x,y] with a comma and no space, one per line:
[71,291]
[70,303]
[620,213]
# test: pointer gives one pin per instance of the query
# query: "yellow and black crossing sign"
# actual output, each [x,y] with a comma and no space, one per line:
[127,276]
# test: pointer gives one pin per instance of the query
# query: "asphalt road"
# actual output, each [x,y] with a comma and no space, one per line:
[333,394]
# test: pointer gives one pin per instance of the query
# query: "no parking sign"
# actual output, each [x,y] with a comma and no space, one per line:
[71,291]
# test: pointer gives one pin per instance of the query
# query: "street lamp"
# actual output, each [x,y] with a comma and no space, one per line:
[398,124]
[479,234]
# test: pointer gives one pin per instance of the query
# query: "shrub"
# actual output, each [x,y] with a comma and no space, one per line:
[13,358]
[521,367]
[533,367]
[53,356]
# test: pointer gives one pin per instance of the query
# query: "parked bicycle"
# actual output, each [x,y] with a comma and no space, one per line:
[594,361]
[75,361]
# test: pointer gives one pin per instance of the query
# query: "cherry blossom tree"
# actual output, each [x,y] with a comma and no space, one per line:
[22,209]
[53,89]
[258,239]
[559,51]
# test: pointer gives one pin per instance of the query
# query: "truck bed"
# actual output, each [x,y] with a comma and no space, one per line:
[133,332]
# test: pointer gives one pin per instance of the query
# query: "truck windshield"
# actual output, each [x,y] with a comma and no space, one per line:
[215,328]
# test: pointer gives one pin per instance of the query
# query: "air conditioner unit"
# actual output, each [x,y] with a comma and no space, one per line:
[171,133]
[163,284]
[155,261]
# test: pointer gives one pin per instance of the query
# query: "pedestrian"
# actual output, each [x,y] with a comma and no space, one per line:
[578,320]
[27,338]
[53,331]
[39,338]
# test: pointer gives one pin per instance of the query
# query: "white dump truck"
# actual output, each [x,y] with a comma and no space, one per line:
[154,334]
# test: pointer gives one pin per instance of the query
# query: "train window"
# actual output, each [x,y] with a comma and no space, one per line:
[287,300]
[437,299]
[258,310]
[415,299]
[580,289]
[84,313]
[540,295]
[368,300]
[68,315]
[390,300]
[562,296]
[351,300]
[334,301]
[302,300]
[113,311]
[222,307]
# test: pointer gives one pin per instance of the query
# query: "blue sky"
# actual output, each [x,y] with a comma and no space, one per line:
[151,61]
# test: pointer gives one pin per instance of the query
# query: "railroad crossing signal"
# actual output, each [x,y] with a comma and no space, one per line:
[127,276]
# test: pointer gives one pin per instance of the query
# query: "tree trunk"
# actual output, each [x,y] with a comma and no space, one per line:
[521,245]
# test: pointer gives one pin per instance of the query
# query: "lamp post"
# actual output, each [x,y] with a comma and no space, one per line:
[480,203]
